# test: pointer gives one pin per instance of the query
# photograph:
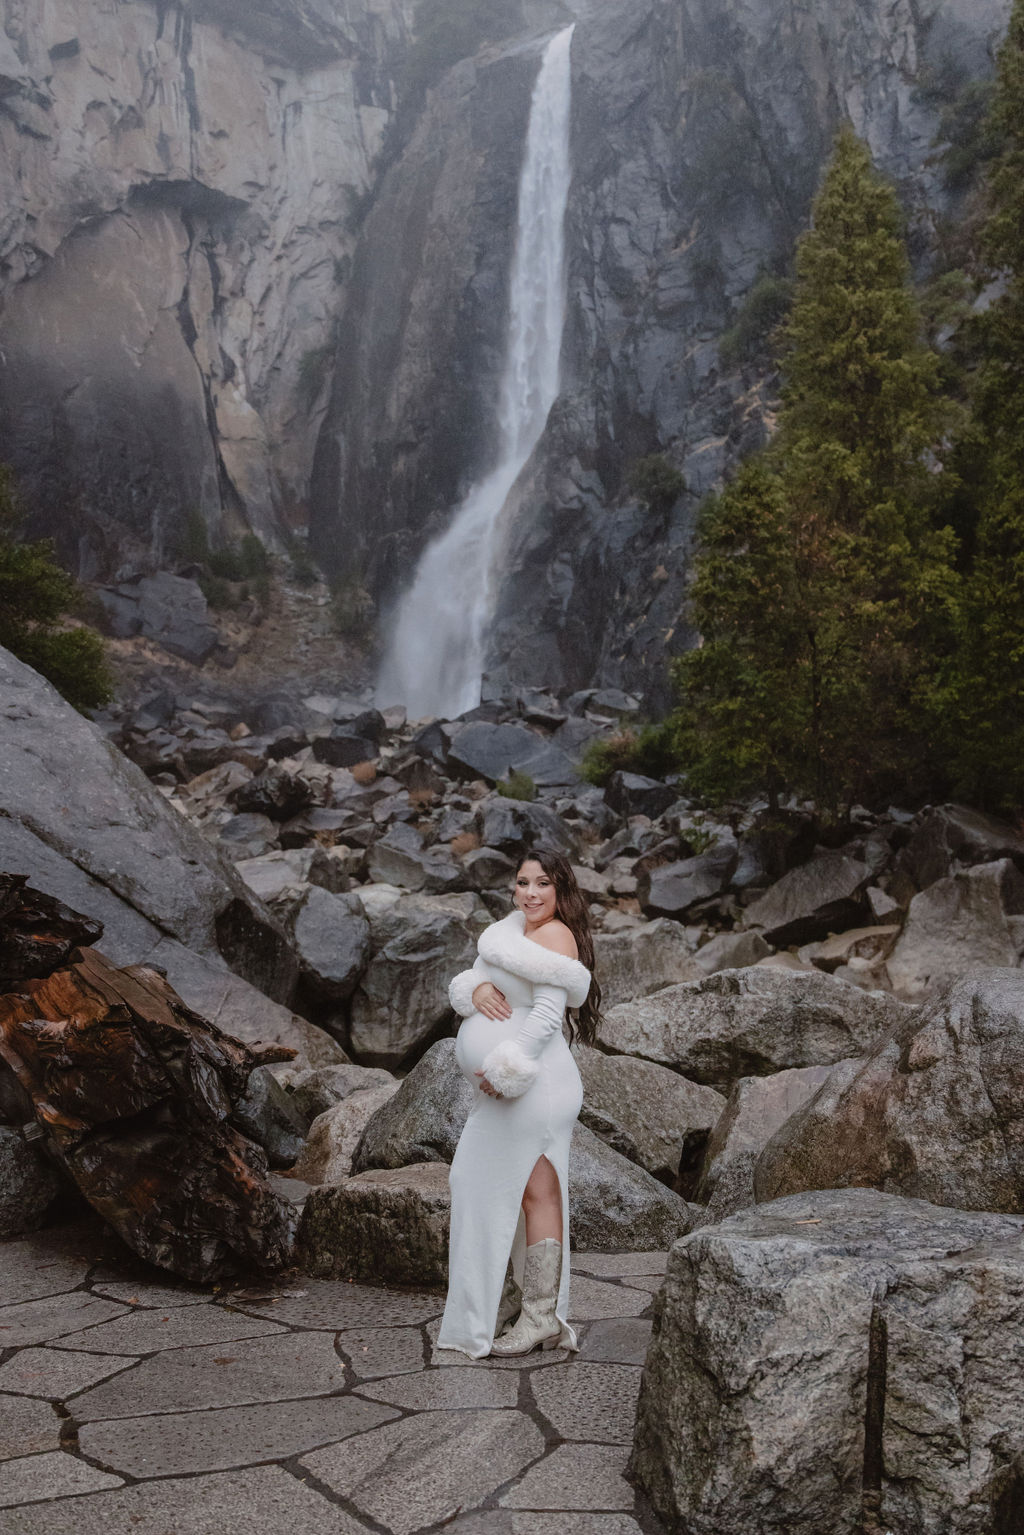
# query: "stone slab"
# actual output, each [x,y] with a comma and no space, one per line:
[37,1321]
[247,1503]
[377,1351]
[333,1304]
[37,1478]
[649,1282]
[219,1375]
[435,1390]
[146,1332]
[618,1265]
[590,1299]
[26,1427]
[584,1476]
[141,1293]
[620,1340]
[28,1271]
[57,1376]
[187,1442]
[595,1402]
[509,1521]
[425,1469]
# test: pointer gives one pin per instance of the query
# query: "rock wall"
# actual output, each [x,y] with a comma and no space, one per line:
[700,130]
[178,189]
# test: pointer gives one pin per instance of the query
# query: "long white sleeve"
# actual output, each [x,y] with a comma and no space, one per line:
[461,989]
[511,1067]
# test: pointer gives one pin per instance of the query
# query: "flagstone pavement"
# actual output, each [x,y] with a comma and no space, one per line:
[134,1405]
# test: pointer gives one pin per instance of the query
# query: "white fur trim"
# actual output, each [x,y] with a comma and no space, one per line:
[505,944]
[461,989]
[509,1070]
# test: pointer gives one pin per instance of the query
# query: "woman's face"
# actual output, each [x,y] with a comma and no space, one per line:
[535,893]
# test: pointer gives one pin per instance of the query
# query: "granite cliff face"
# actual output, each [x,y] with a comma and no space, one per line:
[177,187]
[700,130]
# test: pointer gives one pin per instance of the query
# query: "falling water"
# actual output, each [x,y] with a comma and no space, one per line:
[435,660]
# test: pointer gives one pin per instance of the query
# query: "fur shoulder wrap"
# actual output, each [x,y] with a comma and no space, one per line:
[506,945]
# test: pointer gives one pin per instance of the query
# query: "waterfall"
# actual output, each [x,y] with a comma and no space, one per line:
[434,663]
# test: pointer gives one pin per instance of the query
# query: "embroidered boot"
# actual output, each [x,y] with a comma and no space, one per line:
[511,1303]
[538,1324]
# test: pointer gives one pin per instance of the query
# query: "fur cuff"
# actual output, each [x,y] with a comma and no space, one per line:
[509,1069]
[461,989]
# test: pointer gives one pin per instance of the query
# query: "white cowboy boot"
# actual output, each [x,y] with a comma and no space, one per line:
[538,1324]
[510,1304]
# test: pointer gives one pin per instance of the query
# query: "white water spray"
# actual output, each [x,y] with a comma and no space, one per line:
[435,660]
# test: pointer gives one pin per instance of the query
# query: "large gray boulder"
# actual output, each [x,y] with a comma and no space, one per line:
[752,1022]
[673,888]
[936,1111]
[423,1120]
[399,858]
[838,1361]
[401,1001]
[317,1089]
[168,609]
[824,895]
[614,1204]
[88,827]
[334,1135]
[482,750]
[635,961]
[663,1113]
[954,924]
[948,838]
[757,1107]
[513,825]
[385,1227]
[332,937]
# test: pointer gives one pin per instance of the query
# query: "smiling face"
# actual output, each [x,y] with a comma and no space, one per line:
[535,893]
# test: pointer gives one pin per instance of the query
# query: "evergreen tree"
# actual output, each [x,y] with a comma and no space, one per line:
[984,714]
[35,594]
[822,581]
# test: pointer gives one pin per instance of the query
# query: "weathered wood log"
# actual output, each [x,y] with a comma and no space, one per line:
[37,933]
[135,1093]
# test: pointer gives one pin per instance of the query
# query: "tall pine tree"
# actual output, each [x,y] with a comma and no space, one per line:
[822,578]
[984,714]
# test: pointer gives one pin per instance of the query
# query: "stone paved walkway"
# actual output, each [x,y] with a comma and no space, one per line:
[133,1406]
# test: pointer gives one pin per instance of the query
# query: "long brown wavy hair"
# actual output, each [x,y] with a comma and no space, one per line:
[571,908]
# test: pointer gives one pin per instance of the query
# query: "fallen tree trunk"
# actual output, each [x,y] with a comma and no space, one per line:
[135,1093]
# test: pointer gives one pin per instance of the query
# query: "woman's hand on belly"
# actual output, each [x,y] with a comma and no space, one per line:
[487,999]
[485,1086]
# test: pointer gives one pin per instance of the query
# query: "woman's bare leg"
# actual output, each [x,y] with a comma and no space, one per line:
[542,1204]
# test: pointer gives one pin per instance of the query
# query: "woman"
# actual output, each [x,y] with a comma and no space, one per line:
[509,1178]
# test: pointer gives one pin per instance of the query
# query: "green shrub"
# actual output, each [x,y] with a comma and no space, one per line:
[518,786]
[645,749]
[36,595]
[352,610]
[762,310]
[657,482]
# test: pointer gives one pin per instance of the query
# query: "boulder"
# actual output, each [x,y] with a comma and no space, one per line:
[488,869]
[867,944]
[823,896]
[345,747]
[838,1361]
[90,829]
[956,923]
[272,875]
[512,826]
[401,1002]
[168,609]
[399,858]
[315,1090]
[615,1206]
[422,1122]
[335,1134]
[275,793]
[28,1184]
[946,838]
[936,1111]
[384,1227]
[671,889]
[663,1114]
[731,951]
[756,1108]
[332,937]
[742,1023]
[492,752]
[632,794]
[269,1116]
[635,961]
[247,835]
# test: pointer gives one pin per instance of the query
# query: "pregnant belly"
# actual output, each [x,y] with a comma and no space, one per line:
[478,1036]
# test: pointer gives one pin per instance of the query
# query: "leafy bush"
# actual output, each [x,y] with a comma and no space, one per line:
[657,483]
[763,309]
[35,596]
[517,786]
[352,610]
[646,749]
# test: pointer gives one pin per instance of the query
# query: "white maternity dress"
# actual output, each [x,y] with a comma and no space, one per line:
[527,1059]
